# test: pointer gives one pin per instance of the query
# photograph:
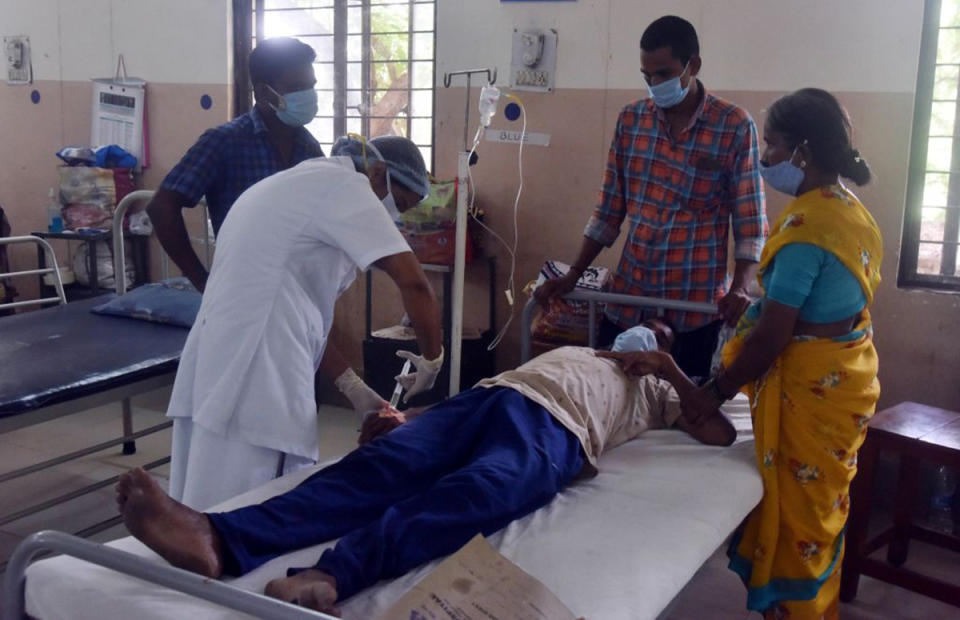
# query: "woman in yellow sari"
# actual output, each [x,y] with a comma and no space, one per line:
[804,355]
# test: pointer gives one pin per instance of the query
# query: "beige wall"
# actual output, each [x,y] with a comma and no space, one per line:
[32,133]
[179,46]
[753,50]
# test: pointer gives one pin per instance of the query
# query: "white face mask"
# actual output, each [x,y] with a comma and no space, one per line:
[388,201]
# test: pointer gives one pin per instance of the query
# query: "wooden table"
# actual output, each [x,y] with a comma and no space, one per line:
[914,433]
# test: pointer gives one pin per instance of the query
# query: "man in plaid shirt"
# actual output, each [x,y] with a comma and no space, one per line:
[682,167]
[228,159]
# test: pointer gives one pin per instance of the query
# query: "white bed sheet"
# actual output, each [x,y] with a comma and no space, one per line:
[620,545]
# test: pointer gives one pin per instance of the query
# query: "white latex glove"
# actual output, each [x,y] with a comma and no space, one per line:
[360,395]
[423,378]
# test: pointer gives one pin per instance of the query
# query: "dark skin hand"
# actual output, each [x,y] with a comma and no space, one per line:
[658,66]
[713,429]
[166,213]
[768,339]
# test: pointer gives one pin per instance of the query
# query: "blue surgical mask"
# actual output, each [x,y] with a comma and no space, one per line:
[785,176]
[639,338]
[670,92]
[296,109]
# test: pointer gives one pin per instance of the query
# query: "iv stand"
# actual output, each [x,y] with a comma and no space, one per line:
[460,244]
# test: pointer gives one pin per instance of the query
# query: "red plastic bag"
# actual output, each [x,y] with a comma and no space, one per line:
[568,322]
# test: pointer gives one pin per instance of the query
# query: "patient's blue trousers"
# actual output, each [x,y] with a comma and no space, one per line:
[469,465]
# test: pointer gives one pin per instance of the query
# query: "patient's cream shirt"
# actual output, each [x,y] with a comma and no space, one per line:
[592,397]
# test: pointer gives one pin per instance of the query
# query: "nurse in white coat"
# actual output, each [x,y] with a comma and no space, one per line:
[243,400]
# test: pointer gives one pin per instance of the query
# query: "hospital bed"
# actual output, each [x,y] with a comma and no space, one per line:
[620,545]
[63,360]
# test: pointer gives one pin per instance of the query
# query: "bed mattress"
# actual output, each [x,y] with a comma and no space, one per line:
[620,545]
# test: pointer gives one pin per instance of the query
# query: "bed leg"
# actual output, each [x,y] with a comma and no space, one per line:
[129,447]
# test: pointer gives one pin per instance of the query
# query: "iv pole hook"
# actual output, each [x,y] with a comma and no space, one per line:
[448,79]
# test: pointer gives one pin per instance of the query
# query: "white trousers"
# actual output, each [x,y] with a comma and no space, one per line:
[206,468]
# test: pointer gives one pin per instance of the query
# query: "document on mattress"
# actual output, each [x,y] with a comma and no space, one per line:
[477,583]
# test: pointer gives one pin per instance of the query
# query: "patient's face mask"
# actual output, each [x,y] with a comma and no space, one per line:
[785,176]
[388,201]
[670,92]
[295,109]
[639,338]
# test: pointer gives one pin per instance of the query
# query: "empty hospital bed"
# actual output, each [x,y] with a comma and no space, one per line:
[620,545]
[64,360]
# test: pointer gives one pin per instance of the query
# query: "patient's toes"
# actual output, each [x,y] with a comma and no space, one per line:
[320,597]
[277,589]
[123,483]
[310,589]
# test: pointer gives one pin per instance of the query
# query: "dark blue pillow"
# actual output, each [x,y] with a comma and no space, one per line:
[171,302]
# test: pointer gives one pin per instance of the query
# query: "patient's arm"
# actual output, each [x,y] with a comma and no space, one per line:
[714,430]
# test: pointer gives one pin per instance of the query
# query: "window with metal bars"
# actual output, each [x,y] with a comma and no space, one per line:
[374,66]
[931,228]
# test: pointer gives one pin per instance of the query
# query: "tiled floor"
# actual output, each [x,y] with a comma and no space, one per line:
[713,593]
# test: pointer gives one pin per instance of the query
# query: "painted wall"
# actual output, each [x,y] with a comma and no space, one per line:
[179,46]
[753,53]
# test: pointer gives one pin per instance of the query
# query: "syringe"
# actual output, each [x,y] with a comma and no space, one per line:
[398,389]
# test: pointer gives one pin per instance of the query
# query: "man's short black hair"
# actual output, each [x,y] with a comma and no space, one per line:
[674,32]
[665,321]
[271,57]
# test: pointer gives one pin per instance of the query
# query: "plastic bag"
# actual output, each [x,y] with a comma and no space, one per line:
[104,258]
[140,224]
[430,227]
[90,195]
[568,322]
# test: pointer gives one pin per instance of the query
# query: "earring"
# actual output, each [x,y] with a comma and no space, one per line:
[803,163]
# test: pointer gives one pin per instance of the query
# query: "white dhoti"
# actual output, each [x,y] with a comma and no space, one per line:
[221,468]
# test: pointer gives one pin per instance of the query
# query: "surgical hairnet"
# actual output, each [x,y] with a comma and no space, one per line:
[637,338]
[404,161]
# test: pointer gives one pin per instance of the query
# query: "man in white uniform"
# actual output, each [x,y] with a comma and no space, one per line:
[243,400]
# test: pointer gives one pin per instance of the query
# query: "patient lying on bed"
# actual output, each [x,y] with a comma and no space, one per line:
[469,465]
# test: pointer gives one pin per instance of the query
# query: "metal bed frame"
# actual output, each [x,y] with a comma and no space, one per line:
[222,593]
[54,269]
[593,298]
[69,407]
[14,603]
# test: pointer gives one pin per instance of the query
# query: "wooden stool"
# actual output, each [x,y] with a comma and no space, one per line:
[914,432]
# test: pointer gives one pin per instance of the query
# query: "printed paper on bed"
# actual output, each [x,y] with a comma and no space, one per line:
[477,583]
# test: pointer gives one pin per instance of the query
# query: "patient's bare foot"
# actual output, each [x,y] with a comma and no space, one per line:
[311,588]
[181,535]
